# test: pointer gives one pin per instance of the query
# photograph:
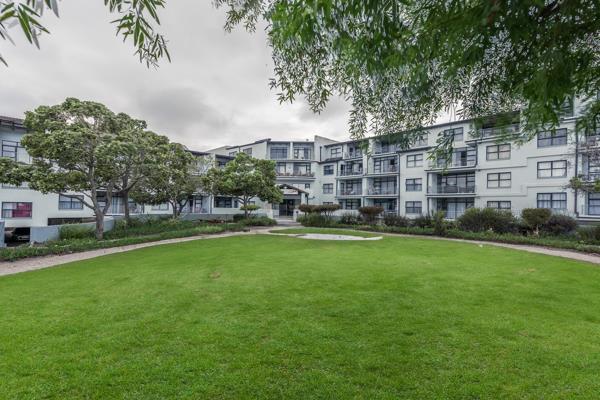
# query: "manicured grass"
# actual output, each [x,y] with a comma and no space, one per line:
[332,231]
[279,317]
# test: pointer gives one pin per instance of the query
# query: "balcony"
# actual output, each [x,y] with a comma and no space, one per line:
[450,189]
[295,174]
[353,154]
[351,173]
[379,149]
[388,169]
[486,133]
[590,177]
[350,192]
[383,191]
[441,164]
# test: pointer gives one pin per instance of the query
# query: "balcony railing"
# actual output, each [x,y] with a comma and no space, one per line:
[591,177]
[355,154]
[295,173]
[496,131]
[384,149]
[351,172]
[350,192]
[383,191]
[454,164]
[385,170]
[450,189]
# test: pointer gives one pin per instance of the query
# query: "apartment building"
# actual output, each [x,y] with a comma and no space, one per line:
[483,171]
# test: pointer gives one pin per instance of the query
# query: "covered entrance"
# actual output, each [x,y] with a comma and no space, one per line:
[286,207]
[292,198]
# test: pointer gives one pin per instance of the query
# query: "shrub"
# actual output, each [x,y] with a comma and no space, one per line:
[422,221]
[535,218]
[589,234]
[559,224]
[315,220]
[258,221]
[327,209]
[349,219]
[67,232]
[439,223]
[396,220]
[486,219]
[370,213]
[250,208]
[307,208]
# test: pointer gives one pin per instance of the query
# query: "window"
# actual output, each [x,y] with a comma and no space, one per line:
[225,202]
[9,149]
[335,152]
[497,152]
[307,186]
[23,185]
[16,210]
[327,203]
[160,207]
[414,160]
[328,188]
[302,153]
[594,203]
[280,168]
[414,185]
[232,153]
[383,165]
[302,169]
[462,157]
[248,151]
[388,205]
[413,207]
[70,203]
[456,133]
[567,108]
[499,205]
[328,169]
[350,204]
[553,201]
[421,140]
[279,153]
[552,138]
[552,169]
[499,180]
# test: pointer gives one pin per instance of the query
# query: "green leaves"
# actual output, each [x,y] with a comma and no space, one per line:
[136,22]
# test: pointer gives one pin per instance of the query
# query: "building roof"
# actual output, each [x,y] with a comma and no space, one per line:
[11,122]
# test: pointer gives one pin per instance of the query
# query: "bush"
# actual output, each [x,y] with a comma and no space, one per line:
[258,221]
[349,219]
[396,220]
[535,218]
[487,219]
[327,209]
[439,223]
[250,208]
[307,208]
[559,224]
[589,234]
[370,213]
[422,221]
[315,220]
[67,232]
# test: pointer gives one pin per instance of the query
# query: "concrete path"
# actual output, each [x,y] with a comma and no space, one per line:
[30,264]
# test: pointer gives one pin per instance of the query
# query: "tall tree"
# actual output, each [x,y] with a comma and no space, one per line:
[173,179]
[401,63]
[73,149]
[244,178]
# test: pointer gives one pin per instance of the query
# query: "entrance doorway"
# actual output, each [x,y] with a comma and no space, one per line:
[286,208]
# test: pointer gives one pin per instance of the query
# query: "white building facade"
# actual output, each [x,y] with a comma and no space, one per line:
[484,172]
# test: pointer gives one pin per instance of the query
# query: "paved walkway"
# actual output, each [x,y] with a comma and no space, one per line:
[30,264]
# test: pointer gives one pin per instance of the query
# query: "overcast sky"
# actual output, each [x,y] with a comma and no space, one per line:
[215,91]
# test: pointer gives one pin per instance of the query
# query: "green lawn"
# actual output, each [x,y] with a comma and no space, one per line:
[332,231]
[279,317]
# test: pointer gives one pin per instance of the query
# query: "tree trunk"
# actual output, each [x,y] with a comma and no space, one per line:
[175,213]
[125,199]
[99,225]
[245,209]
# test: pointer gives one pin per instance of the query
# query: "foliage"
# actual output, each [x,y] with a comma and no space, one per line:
[396,220]
[76,231]
[258,221]
[402,63]
[250,208]
[423,221]
[327,209]
[486,219]
[589,234]
[350,219]
[173,179]
[370,213]
[244,178]
[136,20]
[315,219]
[439,223]
[535,218]
[559,224]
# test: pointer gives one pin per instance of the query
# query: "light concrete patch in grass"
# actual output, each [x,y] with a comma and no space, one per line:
[327,236]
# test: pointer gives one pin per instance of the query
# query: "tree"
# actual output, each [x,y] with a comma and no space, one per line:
[173,179]
[401,63]
[244,178]
[135,22]
[73,149]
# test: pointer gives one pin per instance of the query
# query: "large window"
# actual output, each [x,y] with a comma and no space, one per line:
[456,134]
[552,138]
[16,210]
[456,183]
[248,151]
[414,160]
[413,207]
[280,168]
[302,169]
[160,207]
[350,204]
[279,153]
[553,201]
[497,152]
[499,205]
[225,202]
[594,203]
[335,152]
[552,169]
[383,165]
[499,180]
[70,202]
[328,188]
[388,205]
[9,149]
[302,153]
[414,185]
[328,169]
